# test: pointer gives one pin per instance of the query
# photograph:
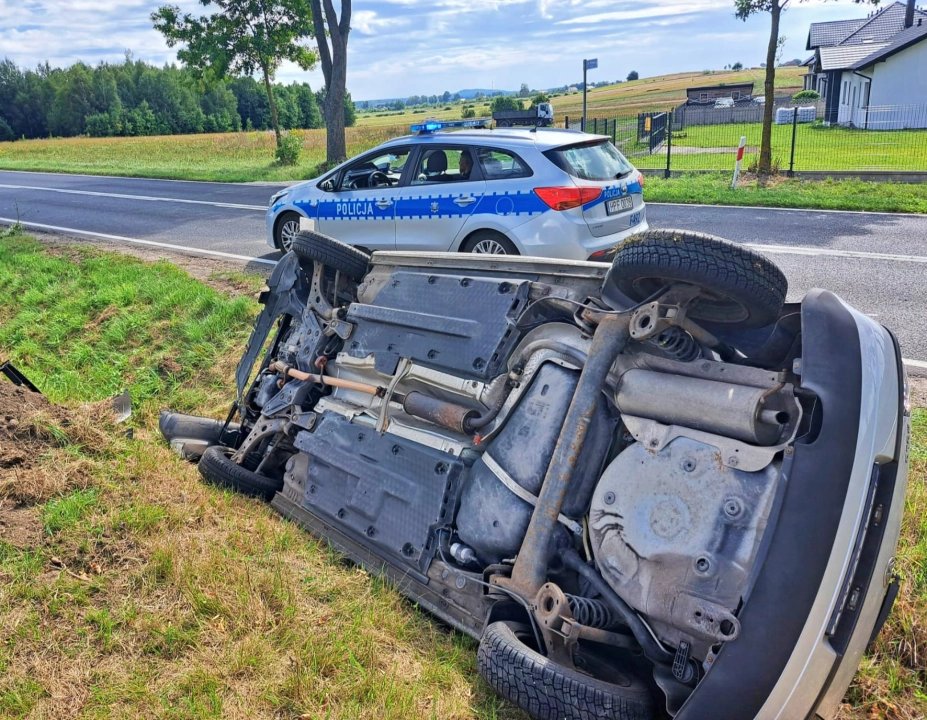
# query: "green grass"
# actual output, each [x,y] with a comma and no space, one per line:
[816,148]
[847,194]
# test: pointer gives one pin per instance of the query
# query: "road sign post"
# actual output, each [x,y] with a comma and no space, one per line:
[740,159]
[587,65]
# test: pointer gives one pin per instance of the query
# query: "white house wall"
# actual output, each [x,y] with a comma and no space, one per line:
[901,82]
[852,100]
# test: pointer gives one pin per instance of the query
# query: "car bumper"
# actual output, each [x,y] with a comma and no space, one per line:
[817,596]
[561,235]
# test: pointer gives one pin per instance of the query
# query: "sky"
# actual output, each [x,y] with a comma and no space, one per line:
[399,48]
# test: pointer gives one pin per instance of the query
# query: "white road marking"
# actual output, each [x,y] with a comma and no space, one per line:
[256,183]
[828,252]
[920,364]
[781,209]
[148,198]
[120,238]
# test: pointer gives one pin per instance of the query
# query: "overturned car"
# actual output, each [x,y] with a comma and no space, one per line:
[651,488]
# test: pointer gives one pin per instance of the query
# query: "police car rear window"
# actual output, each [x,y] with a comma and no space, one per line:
[596,160]
[501,164]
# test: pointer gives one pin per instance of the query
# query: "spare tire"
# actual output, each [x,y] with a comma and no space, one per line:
[216,466]
[738,285]
[550,691]
[311,247]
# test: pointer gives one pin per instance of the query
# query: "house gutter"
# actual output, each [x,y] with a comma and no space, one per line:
[866,123]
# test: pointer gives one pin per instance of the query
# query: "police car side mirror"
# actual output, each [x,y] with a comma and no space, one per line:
[328,185]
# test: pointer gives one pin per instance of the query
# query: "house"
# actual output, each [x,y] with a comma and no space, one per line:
[870,71]
[708,95]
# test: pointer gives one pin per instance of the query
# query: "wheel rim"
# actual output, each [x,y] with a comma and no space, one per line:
[288,232]
[489,247]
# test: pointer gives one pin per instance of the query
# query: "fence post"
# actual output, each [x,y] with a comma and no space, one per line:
[794,130]
[566,122]
[615,131]
[669,143]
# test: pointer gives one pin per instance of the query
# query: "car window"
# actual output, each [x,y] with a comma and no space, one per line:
[380,170]
[443,165]
[596,160]
[501,164]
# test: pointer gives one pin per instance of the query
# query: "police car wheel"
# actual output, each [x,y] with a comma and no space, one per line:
[490,243]
[287,230]
[311,247]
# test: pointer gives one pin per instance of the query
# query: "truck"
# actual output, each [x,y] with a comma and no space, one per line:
[540,116]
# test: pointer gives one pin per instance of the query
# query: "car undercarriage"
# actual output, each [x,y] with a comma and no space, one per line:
[617,477]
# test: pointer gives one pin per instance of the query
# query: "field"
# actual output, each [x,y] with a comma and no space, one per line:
[623,100]
[129,589]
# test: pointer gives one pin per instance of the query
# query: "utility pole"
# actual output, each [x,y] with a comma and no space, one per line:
[587,65]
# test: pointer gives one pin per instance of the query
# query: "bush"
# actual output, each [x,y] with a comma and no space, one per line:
[6,132]
[504,103]
[288,150]
[468,112]
[807,95]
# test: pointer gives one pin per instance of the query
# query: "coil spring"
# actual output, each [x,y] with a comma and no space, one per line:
[589,612]
[677,343]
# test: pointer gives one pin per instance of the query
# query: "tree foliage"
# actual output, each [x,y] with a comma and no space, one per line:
[737,66]
[541,97]
[244,37]
[134,98]
[633,75]
[503,103]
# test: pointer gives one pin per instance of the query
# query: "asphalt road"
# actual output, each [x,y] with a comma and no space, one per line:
[877,262]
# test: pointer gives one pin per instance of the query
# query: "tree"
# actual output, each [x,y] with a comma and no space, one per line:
[446,97]
[504,103]
[525,91]
[333,51]
[633,74]
[244,37]
[541,97]
[743,9]
[737,66]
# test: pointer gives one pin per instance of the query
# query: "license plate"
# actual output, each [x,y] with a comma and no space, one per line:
[619,205]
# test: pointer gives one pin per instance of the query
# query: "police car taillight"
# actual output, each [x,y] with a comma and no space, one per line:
[564,198]
[640,179]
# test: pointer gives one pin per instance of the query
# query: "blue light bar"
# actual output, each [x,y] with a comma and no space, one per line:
[430,126]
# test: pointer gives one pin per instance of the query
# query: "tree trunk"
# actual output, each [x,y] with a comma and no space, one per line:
[273,104]
[336,151]
[765,167]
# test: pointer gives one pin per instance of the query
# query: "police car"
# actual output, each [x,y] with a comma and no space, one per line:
[514,191]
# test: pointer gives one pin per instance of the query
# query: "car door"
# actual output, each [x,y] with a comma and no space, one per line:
[439,198]
[358,204]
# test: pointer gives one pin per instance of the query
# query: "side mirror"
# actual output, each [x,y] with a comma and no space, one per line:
[328,185]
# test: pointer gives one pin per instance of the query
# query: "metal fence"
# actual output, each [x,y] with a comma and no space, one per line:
[874,139]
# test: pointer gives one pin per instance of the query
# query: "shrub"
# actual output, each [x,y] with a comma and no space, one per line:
[288,150]
[468,112]
[807,95]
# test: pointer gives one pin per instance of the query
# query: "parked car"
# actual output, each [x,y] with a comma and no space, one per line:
[648,489]
[544,192]
[724,103]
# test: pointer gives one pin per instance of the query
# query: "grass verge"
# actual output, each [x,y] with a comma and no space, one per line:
[848,194]
[140,592]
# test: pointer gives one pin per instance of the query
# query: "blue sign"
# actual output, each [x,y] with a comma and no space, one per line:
[592,64]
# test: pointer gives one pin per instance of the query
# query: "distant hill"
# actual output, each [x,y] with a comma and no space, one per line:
[465,94]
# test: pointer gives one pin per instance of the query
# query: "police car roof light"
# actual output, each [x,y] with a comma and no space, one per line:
[430,126]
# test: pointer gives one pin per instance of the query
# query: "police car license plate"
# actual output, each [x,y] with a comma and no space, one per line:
[619,205]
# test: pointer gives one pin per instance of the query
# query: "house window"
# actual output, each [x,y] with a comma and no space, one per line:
[844,94]
[703,97]
[865,95]
[735,94]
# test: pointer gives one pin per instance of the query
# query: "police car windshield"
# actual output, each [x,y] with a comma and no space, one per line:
[595,160]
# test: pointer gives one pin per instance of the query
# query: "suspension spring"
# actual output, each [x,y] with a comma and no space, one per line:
[677,343]
[589,612]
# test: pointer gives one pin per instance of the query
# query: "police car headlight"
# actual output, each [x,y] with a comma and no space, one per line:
[274,198]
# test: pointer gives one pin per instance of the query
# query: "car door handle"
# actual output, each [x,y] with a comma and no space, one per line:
[383,204]
[464,201]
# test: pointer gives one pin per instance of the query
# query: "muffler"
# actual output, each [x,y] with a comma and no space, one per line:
[754,415]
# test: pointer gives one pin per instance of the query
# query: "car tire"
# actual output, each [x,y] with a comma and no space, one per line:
[549,691]
[486,242]
[286,228]
[738,285]
[217,467]
[311,247]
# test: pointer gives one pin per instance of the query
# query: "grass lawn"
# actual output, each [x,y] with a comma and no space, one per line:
[715,189]
[816,148]
[142,593]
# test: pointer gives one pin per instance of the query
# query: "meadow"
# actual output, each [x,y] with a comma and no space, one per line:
[130,589]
